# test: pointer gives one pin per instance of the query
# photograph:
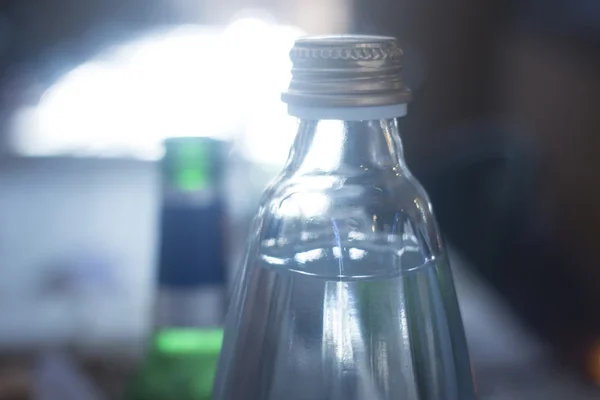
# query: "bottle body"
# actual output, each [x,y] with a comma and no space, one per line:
[346,292]
[190,299]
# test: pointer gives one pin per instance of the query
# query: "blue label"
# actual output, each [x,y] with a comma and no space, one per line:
[192,245]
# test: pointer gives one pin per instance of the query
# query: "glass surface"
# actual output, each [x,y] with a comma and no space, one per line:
[346,292]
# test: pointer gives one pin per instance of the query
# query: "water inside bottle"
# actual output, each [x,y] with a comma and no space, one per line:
[351,321]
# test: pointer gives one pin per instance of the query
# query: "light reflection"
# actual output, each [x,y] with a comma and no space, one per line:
[409,236]
[392,238]
[343,339]
[409,371]
[305,205]
[326,150]
[308,256]
[409,249]
[268,243]
[355,235]
[357,254]
[273,260]
[340,324]
[305,236]
[337,252]
[314,204]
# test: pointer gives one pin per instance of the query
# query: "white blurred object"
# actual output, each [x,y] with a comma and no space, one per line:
[188,81]
[76,249]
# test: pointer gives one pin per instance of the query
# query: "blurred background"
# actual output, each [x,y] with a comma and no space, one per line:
[503,132]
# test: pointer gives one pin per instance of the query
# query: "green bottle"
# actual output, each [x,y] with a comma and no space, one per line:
[182,354]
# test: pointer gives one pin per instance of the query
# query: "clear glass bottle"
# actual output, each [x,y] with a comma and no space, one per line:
[181,359]
[346,292]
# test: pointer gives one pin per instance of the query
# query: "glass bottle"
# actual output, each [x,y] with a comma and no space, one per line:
[190,305]
[346,292]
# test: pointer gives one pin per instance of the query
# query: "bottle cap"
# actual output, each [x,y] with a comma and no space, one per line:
[346,71]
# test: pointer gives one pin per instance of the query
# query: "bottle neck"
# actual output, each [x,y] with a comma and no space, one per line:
[348,147]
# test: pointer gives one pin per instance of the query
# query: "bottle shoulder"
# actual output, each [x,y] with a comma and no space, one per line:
[334,196]
[344,217]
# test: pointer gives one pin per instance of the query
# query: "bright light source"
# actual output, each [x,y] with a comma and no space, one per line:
[190,81]
[268,131]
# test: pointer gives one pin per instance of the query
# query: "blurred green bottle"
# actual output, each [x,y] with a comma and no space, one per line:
[181,358]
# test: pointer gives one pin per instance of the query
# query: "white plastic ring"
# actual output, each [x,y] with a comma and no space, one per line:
[348,113]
